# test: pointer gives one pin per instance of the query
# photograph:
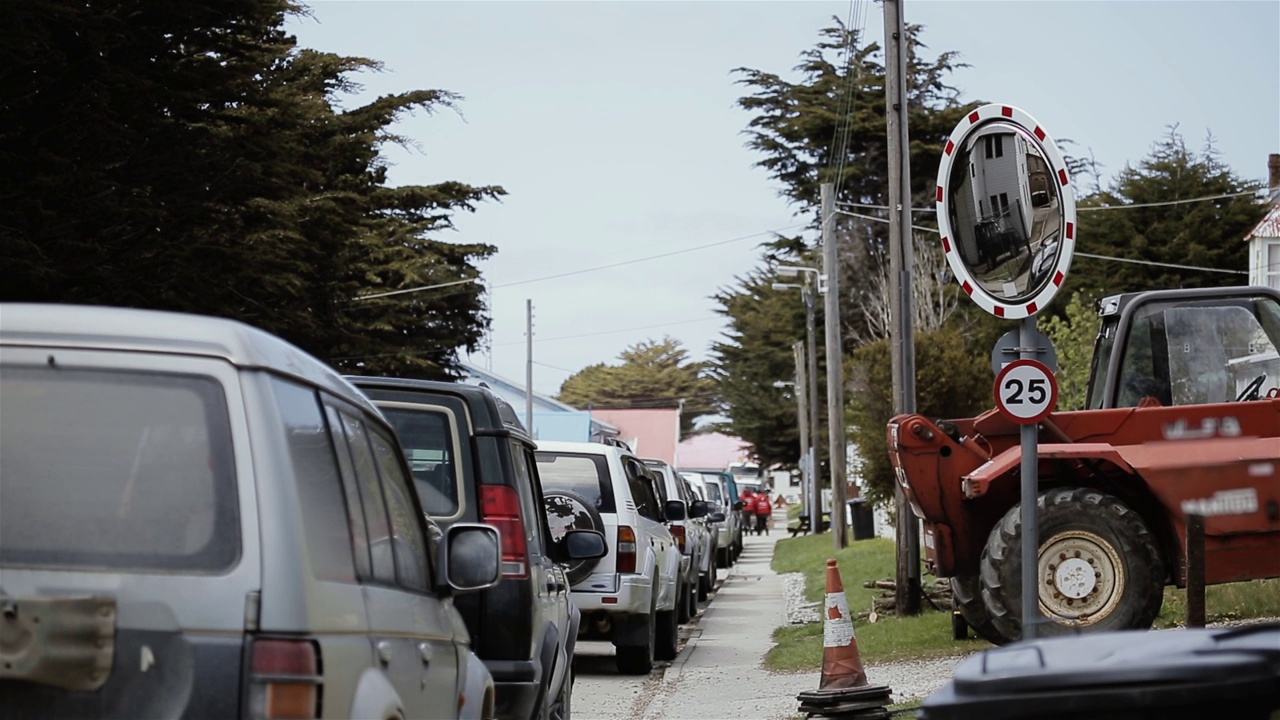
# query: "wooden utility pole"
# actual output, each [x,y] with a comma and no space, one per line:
[901,259]
[835,369]
[810,295]
[802,415]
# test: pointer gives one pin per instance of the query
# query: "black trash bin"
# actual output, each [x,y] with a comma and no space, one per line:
[1135,675]
[864,521]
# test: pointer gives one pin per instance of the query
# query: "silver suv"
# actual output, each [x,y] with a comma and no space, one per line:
[693,534]
[630,595]
[203,521]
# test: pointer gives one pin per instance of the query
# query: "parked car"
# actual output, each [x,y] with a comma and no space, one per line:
[729,530]
[693,536]
[629,595]
[713,520]
[203,521]
[472,461]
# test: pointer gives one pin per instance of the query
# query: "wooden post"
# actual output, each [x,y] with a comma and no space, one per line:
[1195,571]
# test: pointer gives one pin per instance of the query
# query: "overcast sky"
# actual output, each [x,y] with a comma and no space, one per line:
[613,127]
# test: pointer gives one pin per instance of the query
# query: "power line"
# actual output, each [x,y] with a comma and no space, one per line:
[1091,256]
[883,220]
[648,258]
[611,332]
[417,289]
[1161,264]
[1164,203]
[570,273]
[628,403]
[553,367]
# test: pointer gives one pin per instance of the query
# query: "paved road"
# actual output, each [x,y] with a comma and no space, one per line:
[718,672]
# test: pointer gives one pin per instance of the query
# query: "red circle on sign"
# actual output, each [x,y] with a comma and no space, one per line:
[1018,382]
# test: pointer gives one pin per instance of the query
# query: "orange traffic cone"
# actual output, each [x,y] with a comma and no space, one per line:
[843,691]
[841,663]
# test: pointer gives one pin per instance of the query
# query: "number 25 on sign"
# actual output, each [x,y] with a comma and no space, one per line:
[1026,391]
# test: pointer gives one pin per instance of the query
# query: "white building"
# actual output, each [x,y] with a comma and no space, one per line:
[1264,238]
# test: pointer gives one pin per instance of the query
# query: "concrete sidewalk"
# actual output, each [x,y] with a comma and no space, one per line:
[720,674]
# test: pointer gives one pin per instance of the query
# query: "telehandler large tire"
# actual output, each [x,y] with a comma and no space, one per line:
[1099,567]
[966,591]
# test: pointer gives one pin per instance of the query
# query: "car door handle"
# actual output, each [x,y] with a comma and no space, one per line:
[426,652]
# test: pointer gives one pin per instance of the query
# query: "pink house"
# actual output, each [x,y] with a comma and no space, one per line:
[712,451]
[650,432]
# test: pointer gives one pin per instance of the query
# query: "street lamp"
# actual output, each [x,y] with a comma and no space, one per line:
[812,278]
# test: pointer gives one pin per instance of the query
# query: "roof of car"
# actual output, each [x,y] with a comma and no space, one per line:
[481,400]
[586,448]
[96,327]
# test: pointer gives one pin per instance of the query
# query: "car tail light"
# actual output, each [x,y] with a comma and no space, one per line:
[626,549]
[285,680]
[678,532]
[500,507]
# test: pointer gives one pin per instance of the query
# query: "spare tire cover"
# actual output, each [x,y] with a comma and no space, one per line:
[567,510]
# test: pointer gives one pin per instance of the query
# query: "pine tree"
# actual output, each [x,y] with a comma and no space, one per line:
[187,156]
[1205,234]
[651,374]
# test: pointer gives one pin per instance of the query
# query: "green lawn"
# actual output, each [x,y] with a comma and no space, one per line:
[1234,601]
[800,646]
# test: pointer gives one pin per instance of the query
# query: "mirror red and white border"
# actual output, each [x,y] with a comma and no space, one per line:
[1058,166]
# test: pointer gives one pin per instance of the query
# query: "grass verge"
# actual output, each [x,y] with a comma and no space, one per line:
[1234,601]
[799,647]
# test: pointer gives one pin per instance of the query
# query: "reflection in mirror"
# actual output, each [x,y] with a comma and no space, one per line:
[1005,211]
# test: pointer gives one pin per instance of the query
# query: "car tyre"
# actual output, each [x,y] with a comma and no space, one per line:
[638,659]
[704,584]
[1094,550]
[722,557]
[966,597]
[668,632]
[682,604]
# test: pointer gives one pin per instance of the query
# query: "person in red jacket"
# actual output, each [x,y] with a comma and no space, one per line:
[764,513]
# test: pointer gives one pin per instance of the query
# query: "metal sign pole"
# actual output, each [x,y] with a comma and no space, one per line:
[1030,498]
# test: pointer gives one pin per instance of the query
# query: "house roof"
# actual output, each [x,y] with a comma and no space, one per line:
[1269,227]
[514,393]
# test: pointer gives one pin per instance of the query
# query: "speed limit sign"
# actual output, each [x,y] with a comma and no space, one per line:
[1026,391]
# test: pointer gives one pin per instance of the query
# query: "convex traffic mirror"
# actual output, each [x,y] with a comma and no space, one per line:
[1006,211]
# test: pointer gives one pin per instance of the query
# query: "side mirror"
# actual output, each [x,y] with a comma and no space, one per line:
[470,558]
[716,517]
[699,508]
[674,510]
[583,545]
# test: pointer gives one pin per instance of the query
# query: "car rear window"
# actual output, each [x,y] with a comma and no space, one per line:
[585,475]
[427,438]
[116,470]
[712,487]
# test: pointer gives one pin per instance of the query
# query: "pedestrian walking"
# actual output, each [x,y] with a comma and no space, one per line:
[764,513]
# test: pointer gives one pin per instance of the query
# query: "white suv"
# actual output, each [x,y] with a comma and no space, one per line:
[628,596]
